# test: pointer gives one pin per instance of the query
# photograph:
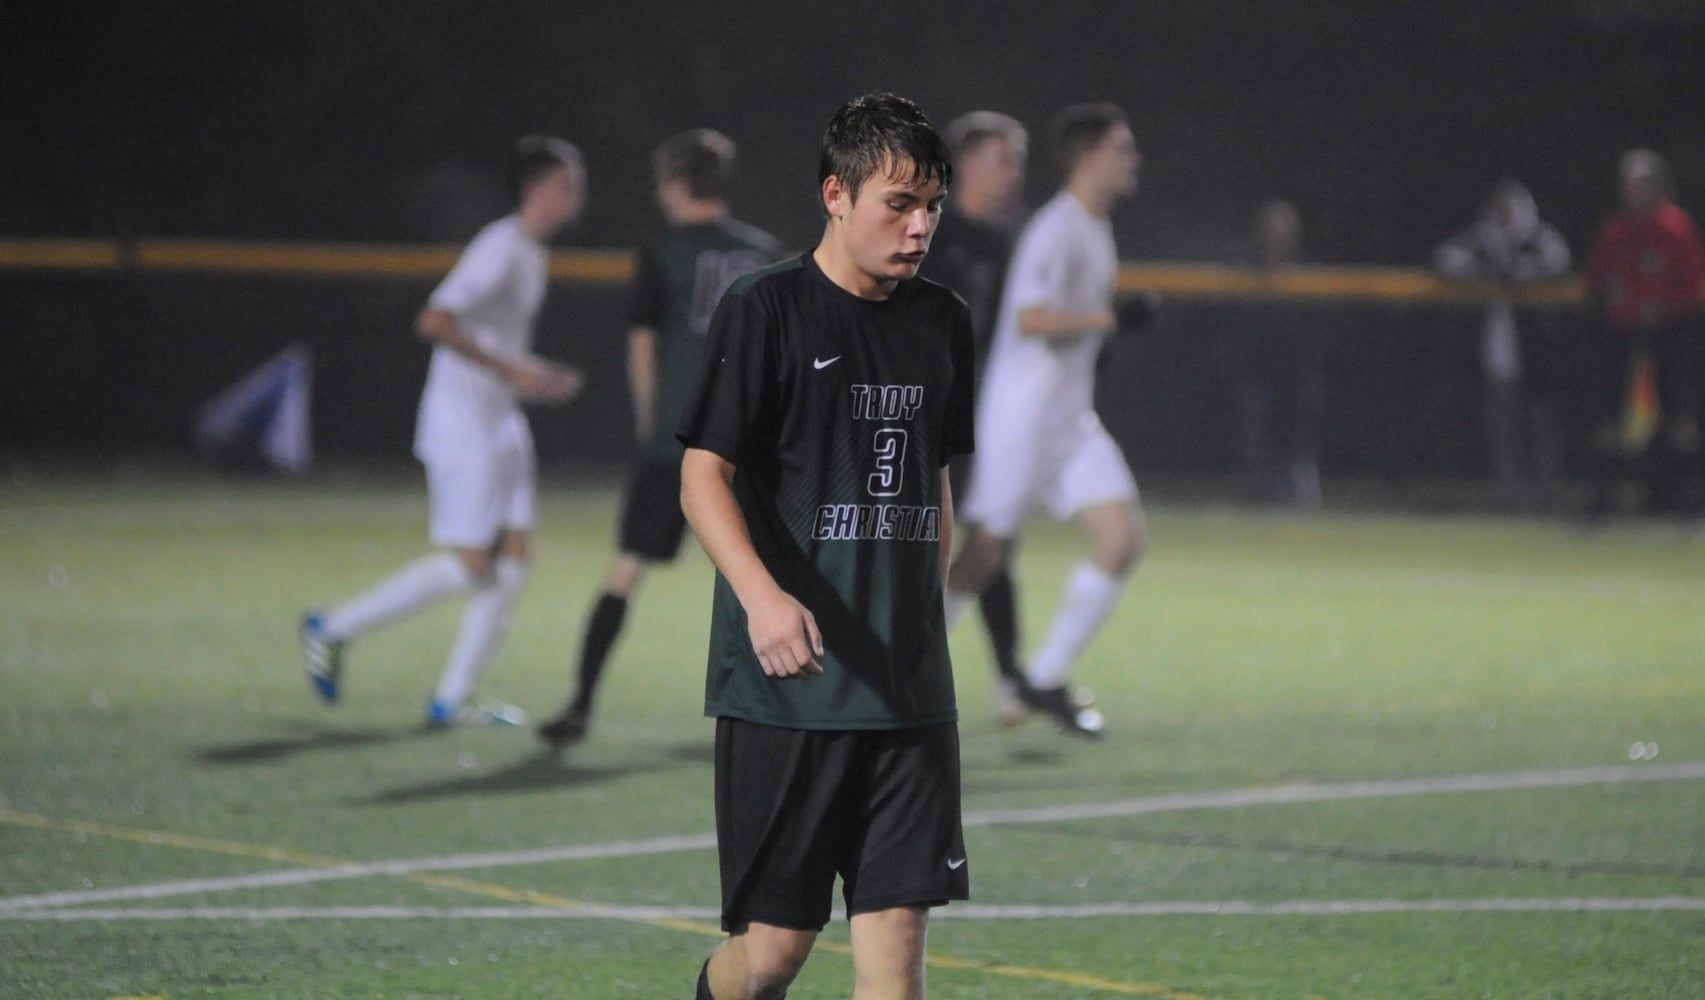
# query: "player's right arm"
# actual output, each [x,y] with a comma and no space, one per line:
[531,378]
[1037,279]
[1046,321]
[783,633]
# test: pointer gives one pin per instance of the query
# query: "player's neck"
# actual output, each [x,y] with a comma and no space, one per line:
[535,225]
[1095,200]
[978,207]
[697,213]
[839,267]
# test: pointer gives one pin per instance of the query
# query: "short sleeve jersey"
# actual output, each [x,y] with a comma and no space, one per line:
[838,414]
[1065,259]
[678,279]
[494,291]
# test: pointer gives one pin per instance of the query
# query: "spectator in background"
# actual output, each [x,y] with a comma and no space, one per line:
[1645,278]
[969,255]
[1509,245]
[1281,395]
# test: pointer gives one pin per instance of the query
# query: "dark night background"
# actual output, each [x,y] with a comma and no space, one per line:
[387,122]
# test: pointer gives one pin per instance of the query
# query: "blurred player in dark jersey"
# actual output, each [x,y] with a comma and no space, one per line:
[677,282]
[969,255]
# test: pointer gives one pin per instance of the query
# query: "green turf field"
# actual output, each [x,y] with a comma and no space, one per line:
[1348,756]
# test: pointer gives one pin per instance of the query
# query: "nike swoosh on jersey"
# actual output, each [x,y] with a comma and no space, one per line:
[820,364]
[953,865]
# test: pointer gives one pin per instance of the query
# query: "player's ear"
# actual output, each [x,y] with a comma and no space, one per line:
[834,196]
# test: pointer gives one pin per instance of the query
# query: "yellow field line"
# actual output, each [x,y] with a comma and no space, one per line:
[493,890]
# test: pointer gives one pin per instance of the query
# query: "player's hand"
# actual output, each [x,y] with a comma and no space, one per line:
[785,637]
[1137,313]
[539,381]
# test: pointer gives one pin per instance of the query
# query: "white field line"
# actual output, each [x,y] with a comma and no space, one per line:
[402,866]
[1238,799]
[1184,908]
[1444,583]
[1393,788]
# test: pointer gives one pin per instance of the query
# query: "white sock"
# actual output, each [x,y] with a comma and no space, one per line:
[485,622]
[1087,600]
[955,604]
[415,587]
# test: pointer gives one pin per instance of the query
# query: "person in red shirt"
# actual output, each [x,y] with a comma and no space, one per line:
[1646,279]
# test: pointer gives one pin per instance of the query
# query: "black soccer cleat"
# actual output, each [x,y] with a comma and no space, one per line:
[1059,704]
[566,729]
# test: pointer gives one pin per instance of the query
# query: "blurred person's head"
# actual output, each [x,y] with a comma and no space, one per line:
[1646,180]
[883,172]
[549,179]
[693,170]
[1278,231]
[989,152]
[1511,208]
[1097,152]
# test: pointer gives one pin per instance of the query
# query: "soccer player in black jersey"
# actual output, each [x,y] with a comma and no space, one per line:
[836,389]
[970,255]
[678,280]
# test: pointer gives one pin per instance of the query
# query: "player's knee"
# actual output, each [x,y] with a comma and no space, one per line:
[1117,553]
[773,960]
[479,563]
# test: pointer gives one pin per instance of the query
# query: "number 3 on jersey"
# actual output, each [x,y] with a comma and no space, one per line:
[890,445]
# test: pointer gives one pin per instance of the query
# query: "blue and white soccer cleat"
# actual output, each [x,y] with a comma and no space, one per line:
[438,714]
[322,657]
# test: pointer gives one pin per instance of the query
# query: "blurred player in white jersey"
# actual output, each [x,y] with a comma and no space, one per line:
[474,440]
[1042,443]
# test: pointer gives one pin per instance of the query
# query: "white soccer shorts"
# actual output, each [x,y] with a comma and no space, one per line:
[1065,470]
[477,493]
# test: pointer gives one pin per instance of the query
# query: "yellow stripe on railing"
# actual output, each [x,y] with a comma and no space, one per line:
[59,255]
[598,267]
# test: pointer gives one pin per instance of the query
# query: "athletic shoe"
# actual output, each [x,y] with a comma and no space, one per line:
[322,656]
[1010,709]
[566,729]
[484,712]
[1057,704]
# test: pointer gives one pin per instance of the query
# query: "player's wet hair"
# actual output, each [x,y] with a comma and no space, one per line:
[1080,128]
[702,157]
[882,131]
[537,155]
[970,130]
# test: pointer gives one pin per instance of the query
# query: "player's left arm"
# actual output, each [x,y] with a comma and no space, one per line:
[642,379]
[946,554]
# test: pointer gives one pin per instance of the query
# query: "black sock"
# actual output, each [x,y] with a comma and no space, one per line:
[704,992]
[602,628]
[999,604]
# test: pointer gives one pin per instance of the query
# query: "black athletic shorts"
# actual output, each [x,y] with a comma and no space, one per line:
[796,807]
[652,522]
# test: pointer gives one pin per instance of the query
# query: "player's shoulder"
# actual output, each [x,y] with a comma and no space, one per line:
[928,294]
[501,237]
[780,278]
[751,236]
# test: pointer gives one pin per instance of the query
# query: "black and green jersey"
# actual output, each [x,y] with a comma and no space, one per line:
[838,414]
[678,280]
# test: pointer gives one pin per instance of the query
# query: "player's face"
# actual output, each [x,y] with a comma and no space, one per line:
[1640,190]
[995,169]
[556,198]
[1114,161]
[886,230]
